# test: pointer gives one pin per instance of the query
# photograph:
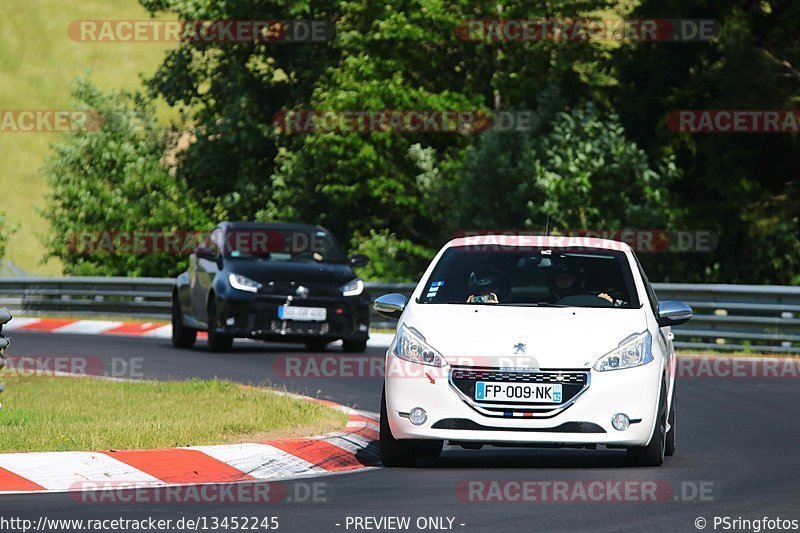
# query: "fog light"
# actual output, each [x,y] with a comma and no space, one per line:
[230,321]
[418,416]
[620,421]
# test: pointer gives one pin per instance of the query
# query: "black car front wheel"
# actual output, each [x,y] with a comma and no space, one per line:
[182,337]
[217,342]
[354,345]
[316,345]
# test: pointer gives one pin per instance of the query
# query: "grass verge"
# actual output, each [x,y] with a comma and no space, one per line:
[46,413]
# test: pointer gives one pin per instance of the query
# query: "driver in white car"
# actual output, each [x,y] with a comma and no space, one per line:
[566,280]
[482,288]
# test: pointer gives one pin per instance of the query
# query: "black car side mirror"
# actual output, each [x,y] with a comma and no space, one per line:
[203,252]
[359,260]
[673,313]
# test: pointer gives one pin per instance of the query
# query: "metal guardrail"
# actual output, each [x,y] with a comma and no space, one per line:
[727,317]
[90,296]
[737,317]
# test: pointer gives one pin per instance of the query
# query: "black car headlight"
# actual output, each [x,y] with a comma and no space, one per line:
[242,283]
[352,288]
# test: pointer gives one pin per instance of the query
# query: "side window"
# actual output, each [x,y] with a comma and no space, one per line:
[216,241]
[651,294]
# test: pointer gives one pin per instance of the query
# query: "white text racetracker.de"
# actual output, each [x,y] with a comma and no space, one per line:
[400,523]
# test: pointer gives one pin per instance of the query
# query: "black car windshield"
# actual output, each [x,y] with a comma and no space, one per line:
[283,245]
[532,277]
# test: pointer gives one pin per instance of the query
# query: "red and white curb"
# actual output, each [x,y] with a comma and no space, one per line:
[351,449]
[90,327]
[158,330]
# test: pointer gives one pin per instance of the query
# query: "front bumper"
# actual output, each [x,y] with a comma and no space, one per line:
[586,420]
[257,318]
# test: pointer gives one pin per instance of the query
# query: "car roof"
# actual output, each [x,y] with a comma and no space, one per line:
[243,225]
[508,240]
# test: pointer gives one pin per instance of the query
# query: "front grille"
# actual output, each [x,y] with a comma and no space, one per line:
[573,381]
[516,376]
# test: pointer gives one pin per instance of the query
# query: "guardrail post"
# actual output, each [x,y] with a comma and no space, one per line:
[5,316]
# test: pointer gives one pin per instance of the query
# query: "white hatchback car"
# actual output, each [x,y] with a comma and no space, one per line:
[548,341]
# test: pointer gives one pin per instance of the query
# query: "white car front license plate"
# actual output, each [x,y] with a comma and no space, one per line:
[517,392]
[303,314]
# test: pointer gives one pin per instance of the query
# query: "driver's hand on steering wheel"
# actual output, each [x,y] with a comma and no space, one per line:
[490,298]
[605,296]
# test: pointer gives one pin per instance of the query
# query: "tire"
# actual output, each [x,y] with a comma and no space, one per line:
[316,345]
[403,453]
[217,342]
[182,337]
[669,448]
[653,453]
[354,345]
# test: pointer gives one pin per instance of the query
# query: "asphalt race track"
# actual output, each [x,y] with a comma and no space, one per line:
[738,445]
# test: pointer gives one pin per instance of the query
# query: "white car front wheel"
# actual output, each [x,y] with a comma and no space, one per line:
[669,449]
[653,453]
[396,452]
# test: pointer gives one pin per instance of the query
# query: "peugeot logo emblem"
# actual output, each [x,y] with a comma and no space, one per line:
[519,348]
[301,292]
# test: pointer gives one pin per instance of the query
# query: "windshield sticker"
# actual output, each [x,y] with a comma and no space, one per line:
[434,288]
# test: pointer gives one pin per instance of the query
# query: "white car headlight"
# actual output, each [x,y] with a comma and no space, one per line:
[242,283]
[353,288]
[635,350]
[411,346]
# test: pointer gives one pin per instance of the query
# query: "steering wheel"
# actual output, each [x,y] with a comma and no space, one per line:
[615,294]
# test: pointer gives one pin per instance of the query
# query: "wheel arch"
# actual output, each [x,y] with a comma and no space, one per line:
[182,291]
[662,384]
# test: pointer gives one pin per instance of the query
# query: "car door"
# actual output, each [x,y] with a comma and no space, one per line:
[203,268]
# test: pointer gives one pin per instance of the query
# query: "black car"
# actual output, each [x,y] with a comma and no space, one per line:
[270,281]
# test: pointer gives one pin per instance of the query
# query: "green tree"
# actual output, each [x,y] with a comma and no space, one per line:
[589,175]
[582,174]
[115,180]
[411,56]
[401,55]
[391,258]
[742,186]
[232,91]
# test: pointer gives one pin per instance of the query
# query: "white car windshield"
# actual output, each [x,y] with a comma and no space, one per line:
[543,277]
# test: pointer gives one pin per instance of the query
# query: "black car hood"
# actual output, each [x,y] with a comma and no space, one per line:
[302,272]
